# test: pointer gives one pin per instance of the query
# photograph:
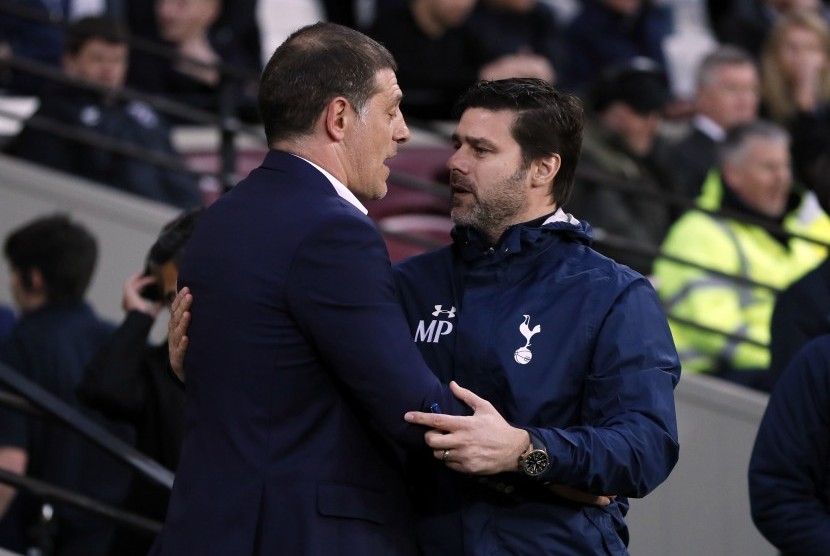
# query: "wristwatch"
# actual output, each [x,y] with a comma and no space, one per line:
[534,461]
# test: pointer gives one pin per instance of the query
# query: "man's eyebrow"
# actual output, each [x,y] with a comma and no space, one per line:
[474,141]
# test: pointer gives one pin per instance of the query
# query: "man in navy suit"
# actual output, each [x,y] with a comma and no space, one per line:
[302,361]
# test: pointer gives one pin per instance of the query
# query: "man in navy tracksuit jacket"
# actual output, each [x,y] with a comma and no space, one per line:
[566,344]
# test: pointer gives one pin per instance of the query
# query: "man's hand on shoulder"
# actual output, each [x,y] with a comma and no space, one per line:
[177,340]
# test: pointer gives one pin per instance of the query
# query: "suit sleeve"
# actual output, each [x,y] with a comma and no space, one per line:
[342,295]
[788,466]
[628,444]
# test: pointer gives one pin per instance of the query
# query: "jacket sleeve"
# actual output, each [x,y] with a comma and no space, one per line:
[788,468]
[346,305]
[628,443]
[114,383]
[796,319]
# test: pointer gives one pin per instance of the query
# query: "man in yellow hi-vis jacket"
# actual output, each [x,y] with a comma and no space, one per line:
[735,267]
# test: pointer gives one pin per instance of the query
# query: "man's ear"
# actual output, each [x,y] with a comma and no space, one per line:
[337,118]
[33,281]
[730,173]
[544,169]
[68,64]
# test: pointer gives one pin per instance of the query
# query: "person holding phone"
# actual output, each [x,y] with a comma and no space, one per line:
[128,382]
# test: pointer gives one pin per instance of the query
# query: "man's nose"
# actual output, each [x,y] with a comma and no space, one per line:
[402,134]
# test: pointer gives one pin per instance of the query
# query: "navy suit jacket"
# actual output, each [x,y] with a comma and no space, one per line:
[300,367]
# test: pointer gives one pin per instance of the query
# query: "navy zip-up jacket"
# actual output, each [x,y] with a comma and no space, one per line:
[789,471]
[566,343]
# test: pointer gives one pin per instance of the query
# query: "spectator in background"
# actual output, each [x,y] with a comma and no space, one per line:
[520,33]
[7,319]
[439,55]
[52,260]
[129,381]
[607,33]
[801,313]
[192,77]
[754,181]
[748,22]
[96,55]
[788,469]
[727,95]
[39,41]
[238,26]
[622,146]
[795,77]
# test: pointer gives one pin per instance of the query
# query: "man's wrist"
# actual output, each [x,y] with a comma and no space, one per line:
[534,461]
[524,442]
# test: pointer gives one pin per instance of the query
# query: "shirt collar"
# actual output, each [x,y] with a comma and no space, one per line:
[341,189]
[708,127]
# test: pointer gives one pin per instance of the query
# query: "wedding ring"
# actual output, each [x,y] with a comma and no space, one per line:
[446,455]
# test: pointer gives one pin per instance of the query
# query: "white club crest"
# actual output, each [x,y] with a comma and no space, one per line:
[523,354]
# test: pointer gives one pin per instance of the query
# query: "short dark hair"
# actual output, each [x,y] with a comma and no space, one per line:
[63,251]
[169,246]
[88,28]
[639,83]
[313,66]
[547,122]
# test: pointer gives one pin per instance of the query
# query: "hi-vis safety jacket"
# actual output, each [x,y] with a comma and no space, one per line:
[739,250]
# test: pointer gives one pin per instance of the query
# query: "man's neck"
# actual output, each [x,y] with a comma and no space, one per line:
[538,214]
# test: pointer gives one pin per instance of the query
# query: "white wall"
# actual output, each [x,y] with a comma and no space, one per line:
[703,508]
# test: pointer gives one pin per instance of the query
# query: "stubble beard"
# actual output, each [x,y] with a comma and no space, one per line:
[492,215]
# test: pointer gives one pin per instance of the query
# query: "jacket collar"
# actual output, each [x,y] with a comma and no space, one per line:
[471,244]
[296,165]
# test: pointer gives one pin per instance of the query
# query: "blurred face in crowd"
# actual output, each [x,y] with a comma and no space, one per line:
[166,275]
[450,13]
[512,5]
[489,182]
[27,295]
[731,96]
[636,130]
[624,6]
[761,176]
[179,20]
[784,5]
[100,62]
[801,50]
[374,137]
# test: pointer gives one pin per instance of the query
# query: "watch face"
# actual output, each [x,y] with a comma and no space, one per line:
[536,462]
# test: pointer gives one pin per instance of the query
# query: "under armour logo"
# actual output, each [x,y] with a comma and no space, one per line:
[439,310]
